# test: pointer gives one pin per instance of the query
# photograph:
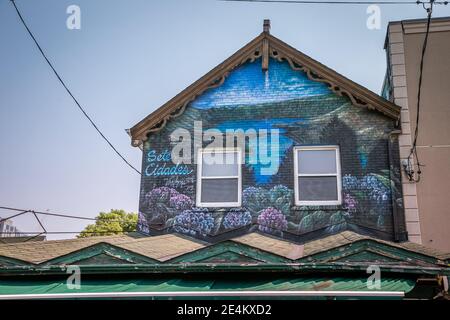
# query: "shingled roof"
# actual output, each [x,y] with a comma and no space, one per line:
[347,248]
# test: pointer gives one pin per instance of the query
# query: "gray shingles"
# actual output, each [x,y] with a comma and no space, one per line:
[165,247]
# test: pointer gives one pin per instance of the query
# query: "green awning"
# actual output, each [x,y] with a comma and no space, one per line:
[206,287]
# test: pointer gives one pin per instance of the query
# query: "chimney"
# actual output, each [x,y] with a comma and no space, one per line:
[266,26]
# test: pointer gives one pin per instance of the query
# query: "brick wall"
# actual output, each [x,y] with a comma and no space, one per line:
[305,113]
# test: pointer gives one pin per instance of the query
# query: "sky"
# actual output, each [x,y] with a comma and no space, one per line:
[128,58]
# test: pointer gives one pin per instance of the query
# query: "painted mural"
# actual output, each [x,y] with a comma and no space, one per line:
[305,112]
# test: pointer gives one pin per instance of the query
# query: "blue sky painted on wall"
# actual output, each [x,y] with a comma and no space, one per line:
[279,83]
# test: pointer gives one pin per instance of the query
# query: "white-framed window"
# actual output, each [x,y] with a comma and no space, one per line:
[317,178]
[219,178]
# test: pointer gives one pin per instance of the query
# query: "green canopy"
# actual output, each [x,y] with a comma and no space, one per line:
[206,287]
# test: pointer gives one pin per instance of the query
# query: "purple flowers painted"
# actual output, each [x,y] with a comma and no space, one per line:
[161,194]
[272,220]
[350,203]
[236,218]
[181,202]
[163,203]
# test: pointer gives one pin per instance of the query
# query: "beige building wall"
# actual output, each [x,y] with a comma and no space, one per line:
[427,203]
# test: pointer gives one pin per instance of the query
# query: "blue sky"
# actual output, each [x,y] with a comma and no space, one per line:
[128,59]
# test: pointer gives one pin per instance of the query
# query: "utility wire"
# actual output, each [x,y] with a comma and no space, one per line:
[413,152]
[68,90]
[66,232]
[23,211]
[34,234]
[339,2]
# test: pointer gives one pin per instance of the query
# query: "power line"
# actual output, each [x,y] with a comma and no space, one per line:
[60,215]
[45,213]
[66,232]
[413,152]
[68,90]
[35,213]
[339,2]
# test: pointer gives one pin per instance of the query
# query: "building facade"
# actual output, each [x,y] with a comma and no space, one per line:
[317,153]
[427,204]
[306,196]
[8,229]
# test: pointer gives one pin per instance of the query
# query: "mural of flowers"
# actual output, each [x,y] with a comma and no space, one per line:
[370,195]
[159,194]
[350,203]
[142,225]
[367,188]
[236,218]
[376,186]
[181,202]
[279,197]
[163,203]
[255,199]
[272,220]
[197,221]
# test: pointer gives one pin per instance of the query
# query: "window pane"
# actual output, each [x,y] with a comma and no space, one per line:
[219,190]
[316,161]
[317,188]
[220,164]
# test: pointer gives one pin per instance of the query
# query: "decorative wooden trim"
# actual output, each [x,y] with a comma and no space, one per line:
[265,55]
[314,77]
[176,106]
[115,251]
[229,246]
[358,95]
[214,84]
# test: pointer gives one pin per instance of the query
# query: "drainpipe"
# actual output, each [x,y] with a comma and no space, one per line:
[398,214]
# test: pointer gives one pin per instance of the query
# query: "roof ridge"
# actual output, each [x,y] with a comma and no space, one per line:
[49,242]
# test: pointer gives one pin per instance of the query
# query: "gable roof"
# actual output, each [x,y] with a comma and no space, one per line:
[159,248]
[263,46]
[345,251]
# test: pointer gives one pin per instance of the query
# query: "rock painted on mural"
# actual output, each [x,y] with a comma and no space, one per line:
[305,113]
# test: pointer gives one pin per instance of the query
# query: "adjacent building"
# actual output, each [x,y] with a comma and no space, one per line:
[427,202]
[8,229]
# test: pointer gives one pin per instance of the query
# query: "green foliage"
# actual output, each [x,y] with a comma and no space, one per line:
[257,199]
[337,218]
[313,221]
[307,224]
[281,198]
[110,223]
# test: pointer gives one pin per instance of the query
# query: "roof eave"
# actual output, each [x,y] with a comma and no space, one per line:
[139,131]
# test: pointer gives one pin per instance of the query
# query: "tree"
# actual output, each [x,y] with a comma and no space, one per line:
[110,223]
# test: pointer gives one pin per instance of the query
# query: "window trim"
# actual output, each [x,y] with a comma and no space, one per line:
[201,204]
[337,175]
